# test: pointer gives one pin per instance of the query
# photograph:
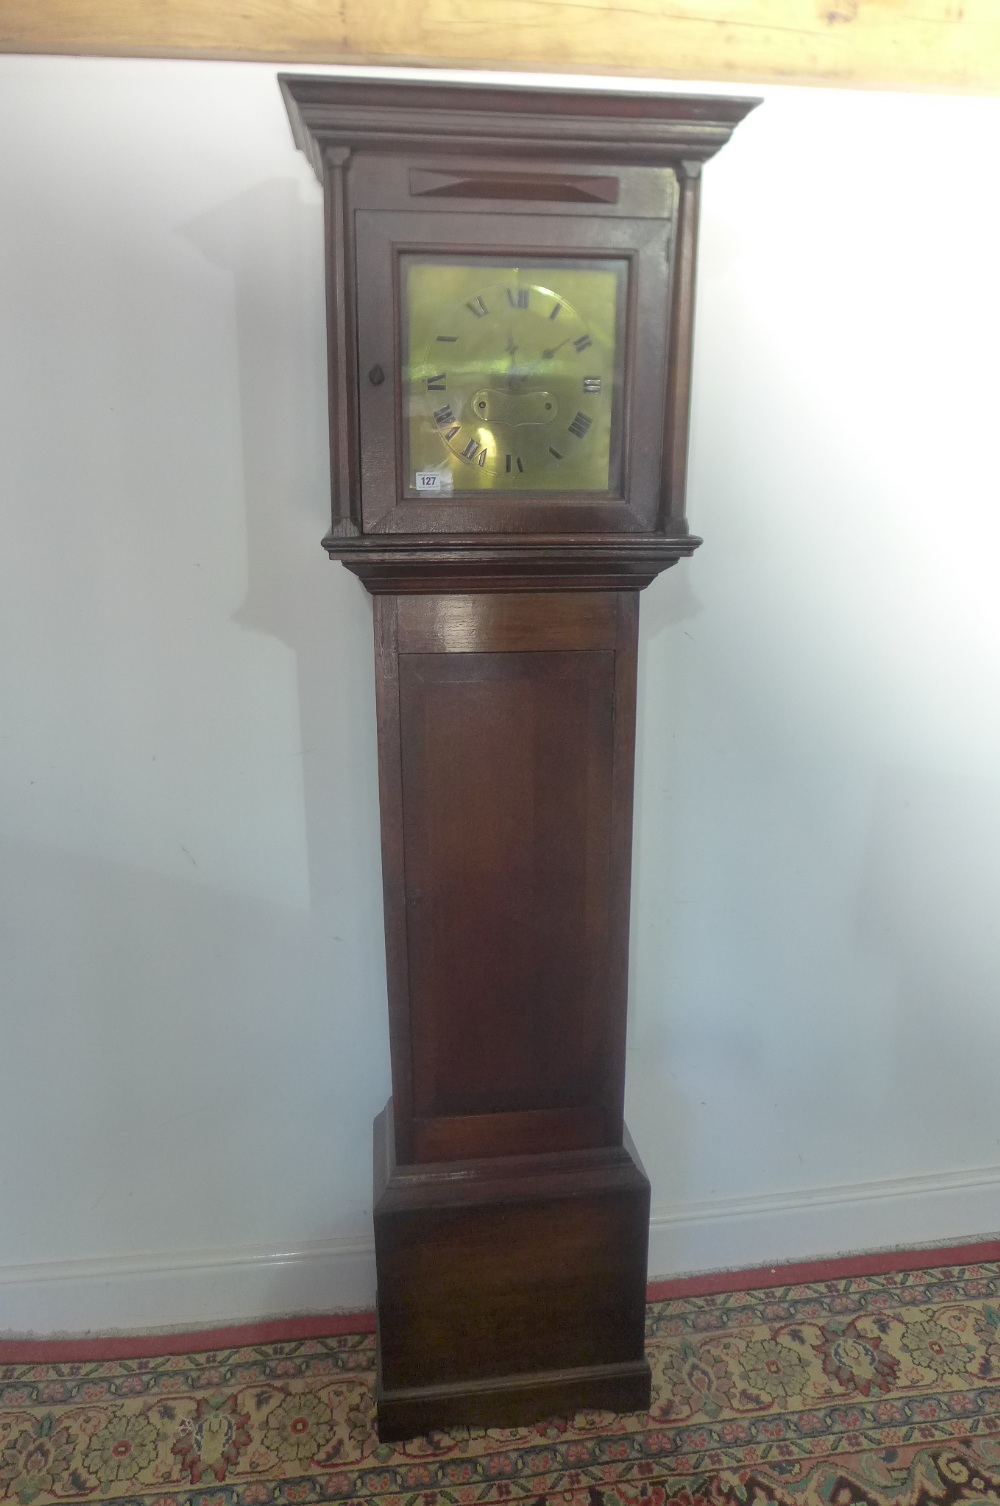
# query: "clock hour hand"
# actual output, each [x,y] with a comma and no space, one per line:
[513,380]
[546,355]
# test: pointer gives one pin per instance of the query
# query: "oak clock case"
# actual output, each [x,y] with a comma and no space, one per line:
[510,310]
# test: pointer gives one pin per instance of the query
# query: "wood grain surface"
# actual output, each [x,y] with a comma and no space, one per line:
[515,726]
[936,44]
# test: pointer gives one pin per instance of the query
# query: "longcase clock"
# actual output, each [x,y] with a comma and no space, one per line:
[510,309]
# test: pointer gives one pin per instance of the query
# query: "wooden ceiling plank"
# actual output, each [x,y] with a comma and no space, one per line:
[930,44]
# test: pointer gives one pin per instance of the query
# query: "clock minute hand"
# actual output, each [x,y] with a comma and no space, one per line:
[547,355]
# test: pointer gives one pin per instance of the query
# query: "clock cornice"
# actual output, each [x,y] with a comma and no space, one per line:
[629,128]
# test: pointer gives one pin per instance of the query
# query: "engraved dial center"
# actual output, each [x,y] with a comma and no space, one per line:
[492,405]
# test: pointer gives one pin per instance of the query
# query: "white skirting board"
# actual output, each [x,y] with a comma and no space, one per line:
[946,1208]
[186,1289]
[206,1288]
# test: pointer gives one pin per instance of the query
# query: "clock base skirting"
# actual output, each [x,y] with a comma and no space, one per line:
[511,1400]
[510,1288]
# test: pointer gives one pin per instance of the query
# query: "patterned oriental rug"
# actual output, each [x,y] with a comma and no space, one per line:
[867,1386]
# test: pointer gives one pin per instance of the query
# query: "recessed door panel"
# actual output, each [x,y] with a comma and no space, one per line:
[507,795]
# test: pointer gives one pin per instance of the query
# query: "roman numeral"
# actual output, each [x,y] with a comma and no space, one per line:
[447,339]
[592,385]
[580,425]
[477,306]
[452,432]
[582,343]
[443,416]
[436,383]
[469,452]
[556,311]
[517,298]
[520,464]
[482,457]
[555,453]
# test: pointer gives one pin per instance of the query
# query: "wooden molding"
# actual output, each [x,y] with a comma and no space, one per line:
[930,44]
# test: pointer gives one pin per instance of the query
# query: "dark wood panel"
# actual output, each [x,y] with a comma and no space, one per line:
[393,889]
[506,624]
[499,1290]
[626,668]
[535,1130]
[678,403]
[506,883]
[379,181]
[506,762]
[487,1270]
[342,392]
[537,187]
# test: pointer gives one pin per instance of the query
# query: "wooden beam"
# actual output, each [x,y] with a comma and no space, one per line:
[930,44]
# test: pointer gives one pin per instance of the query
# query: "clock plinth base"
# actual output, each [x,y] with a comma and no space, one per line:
[510,1288]
[513,1400]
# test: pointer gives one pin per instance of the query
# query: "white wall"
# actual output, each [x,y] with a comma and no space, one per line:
[192,1031]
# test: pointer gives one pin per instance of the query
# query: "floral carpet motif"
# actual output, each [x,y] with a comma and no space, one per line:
[857,1391]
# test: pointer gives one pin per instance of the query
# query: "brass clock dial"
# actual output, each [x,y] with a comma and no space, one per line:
[513,375]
